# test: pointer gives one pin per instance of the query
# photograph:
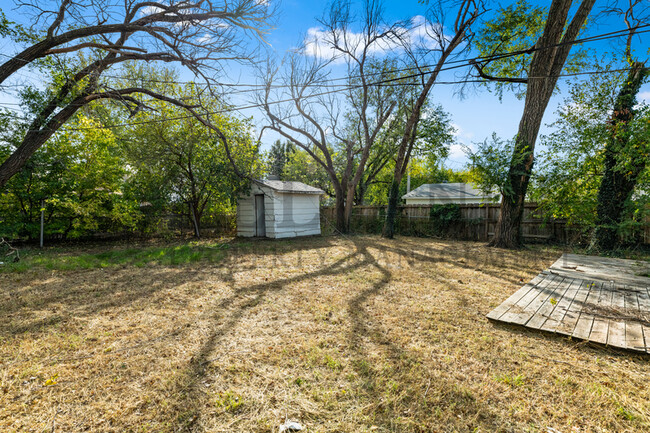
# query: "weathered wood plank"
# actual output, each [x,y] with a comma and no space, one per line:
[644,305]
[570,319]
[522,311]
[548,306]
[556,317]
[515,297]
[633,328]
[582,329]
[616,331]
[601,324]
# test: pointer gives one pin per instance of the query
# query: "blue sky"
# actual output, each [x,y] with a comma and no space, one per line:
[479,113]
[476,116]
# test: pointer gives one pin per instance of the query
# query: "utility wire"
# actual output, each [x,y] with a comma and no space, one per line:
[380,83]
[464,62]
[458,64]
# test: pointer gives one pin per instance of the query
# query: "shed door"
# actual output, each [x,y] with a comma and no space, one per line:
[260,226]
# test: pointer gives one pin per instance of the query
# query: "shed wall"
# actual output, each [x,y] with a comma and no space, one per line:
[246,212]
[297,215]
[286,214]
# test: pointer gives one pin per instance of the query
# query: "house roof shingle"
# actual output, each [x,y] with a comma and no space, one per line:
[462,191]
[290,187]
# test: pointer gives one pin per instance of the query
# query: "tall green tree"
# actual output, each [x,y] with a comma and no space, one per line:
[182,162]
[572,167]
[446,45]
[279,156]
[539,72]
[76,178]
[433,137]
[85,40]
[627,148]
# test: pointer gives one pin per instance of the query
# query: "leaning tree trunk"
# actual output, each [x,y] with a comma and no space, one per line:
[545,67]
[508,229]
[619,179]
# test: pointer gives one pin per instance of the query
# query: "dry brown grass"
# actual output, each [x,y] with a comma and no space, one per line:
[352,334]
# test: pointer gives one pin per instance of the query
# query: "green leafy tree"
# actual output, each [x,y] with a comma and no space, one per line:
[76,178]
[489,164]
[538,70]
[85,40]
[279,156]
[571,166]
[182,162]
[434,136]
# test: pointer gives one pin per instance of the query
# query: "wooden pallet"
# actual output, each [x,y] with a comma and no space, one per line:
[590,298]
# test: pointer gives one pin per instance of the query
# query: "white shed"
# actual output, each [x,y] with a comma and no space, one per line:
[279,209]
[443,193]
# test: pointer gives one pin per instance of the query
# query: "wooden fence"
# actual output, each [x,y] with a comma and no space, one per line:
[476,222]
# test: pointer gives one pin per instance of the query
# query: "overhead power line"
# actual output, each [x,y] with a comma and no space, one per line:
[250,106]
[460,62]
[392,81]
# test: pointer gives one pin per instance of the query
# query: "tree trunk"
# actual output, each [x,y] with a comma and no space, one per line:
[391,211]
[341,222]
[618,183]
[508,228]
[545,67]
[195,221]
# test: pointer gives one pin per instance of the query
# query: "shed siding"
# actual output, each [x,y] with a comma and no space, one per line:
[286,214]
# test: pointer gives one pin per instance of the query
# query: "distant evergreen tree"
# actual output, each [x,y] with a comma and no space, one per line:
[279,156]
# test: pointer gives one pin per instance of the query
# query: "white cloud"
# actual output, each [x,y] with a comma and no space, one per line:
[150,10]
[644,97]
[206,38]
[457,151]
[461,134]
[318,42]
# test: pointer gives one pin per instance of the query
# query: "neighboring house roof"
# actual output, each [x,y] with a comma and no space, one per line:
[461,191]
[290,187]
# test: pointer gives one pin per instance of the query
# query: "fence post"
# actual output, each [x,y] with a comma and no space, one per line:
[42,220]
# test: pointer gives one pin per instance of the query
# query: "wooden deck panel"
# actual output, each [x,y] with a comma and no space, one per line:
[520,312]
[633,330]
[644,307]
[601,323]
[549,304]
[554,321]
[512,300]
[586,299]
[585,318]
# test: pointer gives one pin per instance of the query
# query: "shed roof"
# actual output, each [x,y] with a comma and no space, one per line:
[291,187]
[462,191]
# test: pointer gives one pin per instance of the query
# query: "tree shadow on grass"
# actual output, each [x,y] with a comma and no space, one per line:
[34,302]
[185,411]
[42,304]
[487,262]
[401,398]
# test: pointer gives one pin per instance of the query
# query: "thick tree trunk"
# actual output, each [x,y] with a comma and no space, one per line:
[545,67]
[349,206]
[508,228]
[391,211]
[341,222]
[618,182]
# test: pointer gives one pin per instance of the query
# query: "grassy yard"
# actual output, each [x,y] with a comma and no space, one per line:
[352,334]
